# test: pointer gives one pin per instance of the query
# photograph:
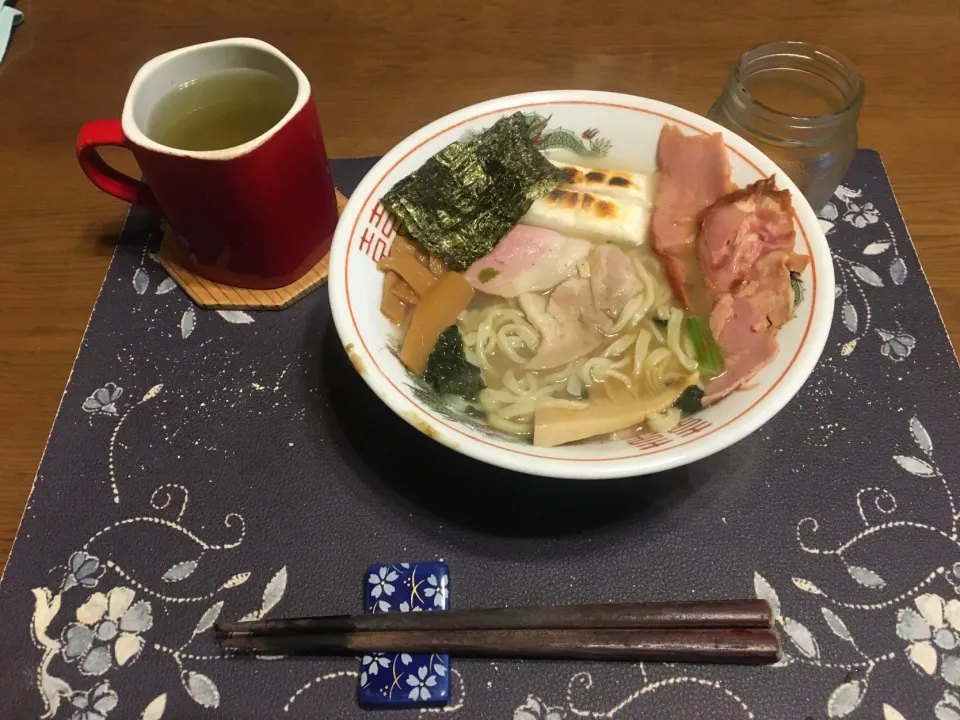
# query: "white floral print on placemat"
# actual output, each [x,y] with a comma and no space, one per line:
[853,276]
[103,400]
[926,624]
[99,619]
[578,687]
[142,281]
[109,630]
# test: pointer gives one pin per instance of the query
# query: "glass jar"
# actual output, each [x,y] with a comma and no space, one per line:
[799,104]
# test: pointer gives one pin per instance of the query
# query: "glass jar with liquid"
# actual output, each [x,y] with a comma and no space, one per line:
[798,103]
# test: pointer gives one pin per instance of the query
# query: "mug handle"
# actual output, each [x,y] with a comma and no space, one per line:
[110,132]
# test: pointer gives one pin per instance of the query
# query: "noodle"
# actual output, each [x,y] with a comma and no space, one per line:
[640,350]
[664,295]
[618,347]
[501,328]
[632,312]
[652,327]
[597,370]
[507,426]
[637,308]
[650,284]
[652,371]
[511,383]
[562,374]
[667,420]
[674,325]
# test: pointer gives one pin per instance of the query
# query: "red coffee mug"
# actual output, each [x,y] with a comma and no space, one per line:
[258,215]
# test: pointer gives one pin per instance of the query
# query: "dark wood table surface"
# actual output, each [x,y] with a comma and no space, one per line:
[380,70]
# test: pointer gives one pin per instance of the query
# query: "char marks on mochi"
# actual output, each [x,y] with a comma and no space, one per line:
[527,259]
[629,186]
[694,173]
[620,219]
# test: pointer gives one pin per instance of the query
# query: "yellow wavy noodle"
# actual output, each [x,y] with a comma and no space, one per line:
[499,327]
[640,350]
[674,330]
[663,294]
[662,422]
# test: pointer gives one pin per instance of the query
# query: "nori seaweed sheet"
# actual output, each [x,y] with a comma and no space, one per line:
[464,199]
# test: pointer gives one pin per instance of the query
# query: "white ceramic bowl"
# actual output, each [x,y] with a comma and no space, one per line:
[625,130]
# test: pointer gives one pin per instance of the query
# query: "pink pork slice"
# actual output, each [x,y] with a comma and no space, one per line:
[747,344]
[527,259]
[745,323]
[694,173]
[745,247]
[569,323]
[613,280]
[741,228]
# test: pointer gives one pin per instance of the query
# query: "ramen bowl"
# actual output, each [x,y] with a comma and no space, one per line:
[603,129]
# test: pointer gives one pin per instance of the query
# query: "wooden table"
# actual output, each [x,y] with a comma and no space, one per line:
[380,71]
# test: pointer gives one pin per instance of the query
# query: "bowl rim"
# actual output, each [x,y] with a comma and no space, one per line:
[731,431]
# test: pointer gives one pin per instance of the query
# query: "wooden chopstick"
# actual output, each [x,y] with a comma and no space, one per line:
[746,646]
[675,615]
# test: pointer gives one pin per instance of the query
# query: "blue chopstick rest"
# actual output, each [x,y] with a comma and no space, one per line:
[10,17]
[405,679]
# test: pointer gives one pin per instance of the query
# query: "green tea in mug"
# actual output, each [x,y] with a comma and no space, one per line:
[221,110]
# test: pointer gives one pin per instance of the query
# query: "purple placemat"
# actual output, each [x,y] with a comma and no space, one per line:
[228,464]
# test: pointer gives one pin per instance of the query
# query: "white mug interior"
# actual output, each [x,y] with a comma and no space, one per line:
[171,70]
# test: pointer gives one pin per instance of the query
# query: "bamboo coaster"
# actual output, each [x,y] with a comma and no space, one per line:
[213,295]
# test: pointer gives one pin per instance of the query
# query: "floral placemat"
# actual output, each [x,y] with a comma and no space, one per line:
[210,465]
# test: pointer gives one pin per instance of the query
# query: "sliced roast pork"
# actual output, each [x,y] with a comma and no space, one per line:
[527,259]
[613,280]
[746,256]
[694,173]
[569,323]
[769,286]
[741,228]
[746,341]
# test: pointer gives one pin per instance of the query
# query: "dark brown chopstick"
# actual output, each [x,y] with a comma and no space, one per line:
[675,615]
[747,646]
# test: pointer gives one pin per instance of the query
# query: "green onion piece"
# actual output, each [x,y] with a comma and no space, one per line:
[708,353]
[488,274]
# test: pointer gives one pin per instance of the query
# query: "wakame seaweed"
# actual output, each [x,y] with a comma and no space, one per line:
[690,400]
[448,371]
[464,199]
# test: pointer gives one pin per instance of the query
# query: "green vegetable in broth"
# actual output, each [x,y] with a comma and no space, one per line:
[709,357]
[448,371]
[690,399]
[464,199]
